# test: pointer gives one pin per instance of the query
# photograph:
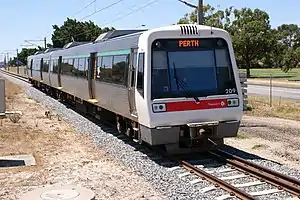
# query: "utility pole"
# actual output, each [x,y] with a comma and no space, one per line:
[45,42]
[200,12]
[200,16]
[17,62]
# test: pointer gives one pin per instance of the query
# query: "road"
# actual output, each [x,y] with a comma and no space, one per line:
[284,92]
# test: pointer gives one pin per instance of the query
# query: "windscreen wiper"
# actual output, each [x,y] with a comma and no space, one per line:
[183,85]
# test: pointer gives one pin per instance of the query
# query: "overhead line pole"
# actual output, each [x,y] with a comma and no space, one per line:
[200,14]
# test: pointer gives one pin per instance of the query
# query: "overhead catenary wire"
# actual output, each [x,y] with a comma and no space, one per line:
[85,7]
[101,9]
[148,4]
[118,18]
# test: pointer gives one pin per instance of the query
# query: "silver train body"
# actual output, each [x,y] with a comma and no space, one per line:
[176,86]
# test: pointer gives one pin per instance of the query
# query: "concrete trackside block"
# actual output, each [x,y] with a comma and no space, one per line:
[2,96]
[17,160]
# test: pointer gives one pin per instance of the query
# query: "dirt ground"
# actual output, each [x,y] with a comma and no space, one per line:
[272,138]
[271,132]
[62,156]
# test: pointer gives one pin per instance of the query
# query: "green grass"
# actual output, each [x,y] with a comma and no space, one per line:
[293,75]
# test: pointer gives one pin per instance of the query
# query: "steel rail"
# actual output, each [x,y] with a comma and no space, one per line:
[218,182]
[279,180]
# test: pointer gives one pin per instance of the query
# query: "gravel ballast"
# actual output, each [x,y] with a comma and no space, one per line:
[166,182]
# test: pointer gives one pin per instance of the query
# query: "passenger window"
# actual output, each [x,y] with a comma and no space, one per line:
[106,69]
[81,67]
[120,63]
[45,67]
[140,74]
[99,60]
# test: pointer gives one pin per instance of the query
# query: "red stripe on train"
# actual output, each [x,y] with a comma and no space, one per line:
[192,105]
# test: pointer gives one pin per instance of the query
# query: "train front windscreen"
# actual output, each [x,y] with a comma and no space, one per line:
[191,68]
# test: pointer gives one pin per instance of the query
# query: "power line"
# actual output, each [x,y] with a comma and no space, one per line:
[85,7]
[152,2]
[125,15]
[94,1]
[106,7]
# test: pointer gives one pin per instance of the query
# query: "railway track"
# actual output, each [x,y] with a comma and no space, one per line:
[204,170]
[241,168]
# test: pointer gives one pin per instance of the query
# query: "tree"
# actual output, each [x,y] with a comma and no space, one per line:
[290,35]
[251,35]
[22,56]
[291,59]
[275,51]
[212,17]
[77,31]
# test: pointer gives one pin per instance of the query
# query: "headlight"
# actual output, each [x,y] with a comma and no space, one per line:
[159,107]
[232,102]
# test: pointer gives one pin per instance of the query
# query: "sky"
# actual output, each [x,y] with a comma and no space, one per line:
[33,19]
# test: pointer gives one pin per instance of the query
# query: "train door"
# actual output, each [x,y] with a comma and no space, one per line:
[59,71]
[31,65]
[131,81]
[41,68]
[50,69]
[92,67]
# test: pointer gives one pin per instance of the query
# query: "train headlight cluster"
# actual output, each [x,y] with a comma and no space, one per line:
[159,107]
[233,102]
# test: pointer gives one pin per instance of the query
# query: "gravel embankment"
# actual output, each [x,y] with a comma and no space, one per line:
[168,183]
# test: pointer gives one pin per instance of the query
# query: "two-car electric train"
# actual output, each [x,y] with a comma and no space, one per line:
[176,86]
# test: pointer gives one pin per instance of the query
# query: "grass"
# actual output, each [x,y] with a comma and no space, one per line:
[293,75]
[286,109]
[260,146]
[241,135]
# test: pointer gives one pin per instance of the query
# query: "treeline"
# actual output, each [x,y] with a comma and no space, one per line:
[256,44]
[71,30]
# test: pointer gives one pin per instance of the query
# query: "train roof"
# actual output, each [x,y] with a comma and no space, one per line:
[116,33]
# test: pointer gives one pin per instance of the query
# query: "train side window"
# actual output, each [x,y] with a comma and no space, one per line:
[55,66]
[106,69]
[140,74]
[120,63]
[81,67]
[65,67]
[45,67]
[72,67]
[87,66]
[99,62]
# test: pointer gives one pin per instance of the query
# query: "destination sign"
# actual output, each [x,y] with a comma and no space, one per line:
[188,43]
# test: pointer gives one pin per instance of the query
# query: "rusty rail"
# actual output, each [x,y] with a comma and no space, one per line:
[281,181]
[218,182]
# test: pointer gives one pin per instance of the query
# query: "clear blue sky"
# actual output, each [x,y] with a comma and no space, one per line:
[33,19]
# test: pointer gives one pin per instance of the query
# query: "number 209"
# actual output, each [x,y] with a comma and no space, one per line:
[230,90]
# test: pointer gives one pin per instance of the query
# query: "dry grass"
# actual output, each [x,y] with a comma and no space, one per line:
[26,136]
[287,109]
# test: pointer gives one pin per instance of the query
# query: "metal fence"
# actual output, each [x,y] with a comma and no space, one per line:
[243,80]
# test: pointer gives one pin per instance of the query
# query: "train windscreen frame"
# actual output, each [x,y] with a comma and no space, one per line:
[191,68]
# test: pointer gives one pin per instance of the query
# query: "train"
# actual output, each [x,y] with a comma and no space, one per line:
[175,87]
